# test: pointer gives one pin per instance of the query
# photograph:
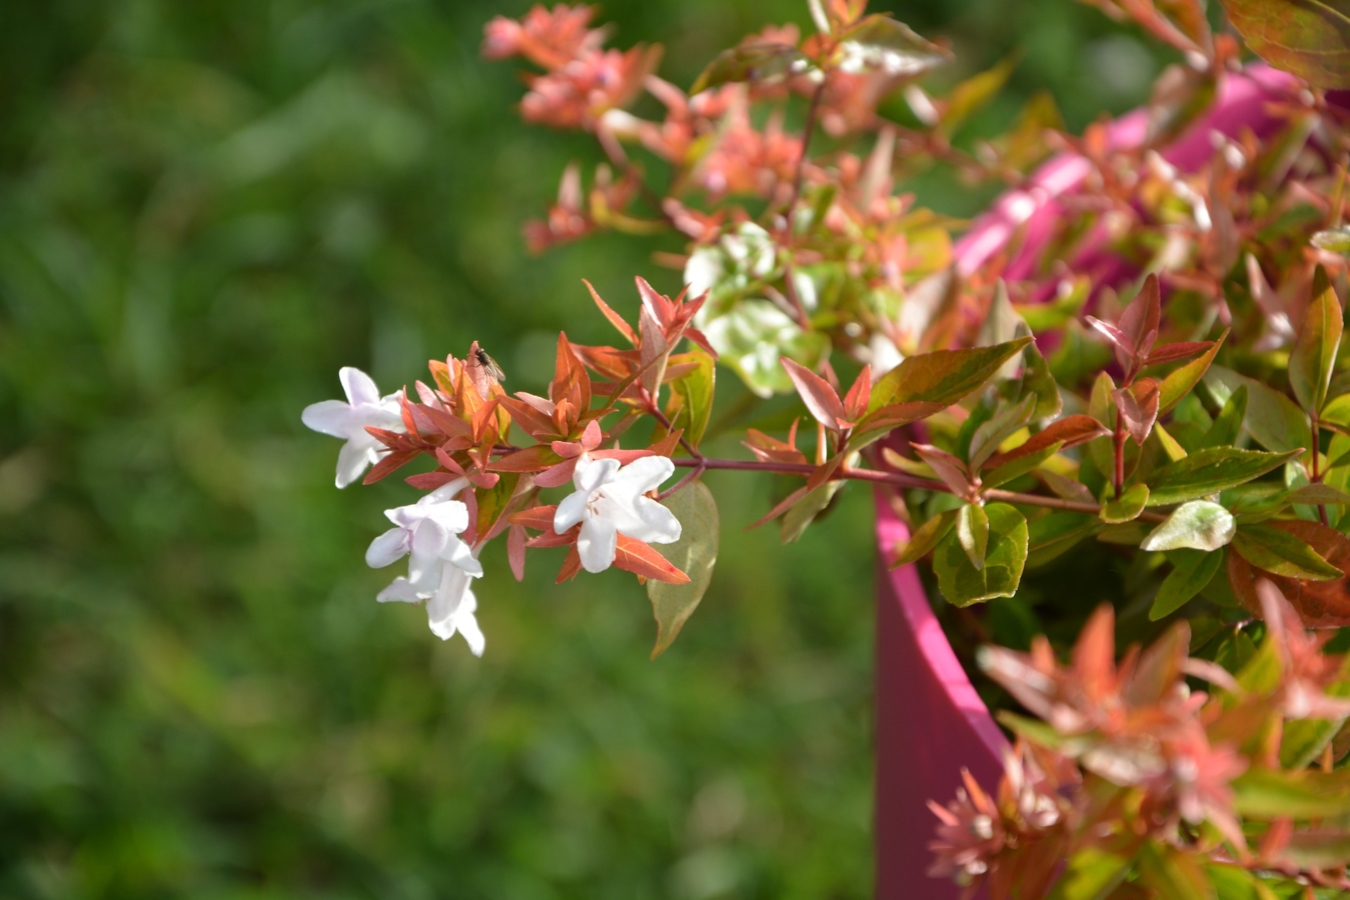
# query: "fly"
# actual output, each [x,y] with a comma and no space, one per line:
[494,371]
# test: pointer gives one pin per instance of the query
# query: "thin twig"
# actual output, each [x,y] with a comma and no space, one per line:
[900,479]
[697,471]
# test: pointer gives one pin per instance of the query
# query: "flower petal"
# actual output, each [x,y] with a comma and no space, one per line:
[359,386]
[352,461]
[597,544]
[467,623]
[429,538]
[331,417]
[460,554]
[400,591]
[387,549]
[591,473]
[444,604]
[449,491]
[570,511]
[648,521]
[452,515]
[643,475]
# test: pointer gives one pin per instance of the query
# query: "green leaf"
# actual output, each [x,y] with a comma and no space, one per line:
[1307,794]
[492,503]
[1320,849]
[805,511]
[696,391]
[1308,38]
[1053,535]
[1317,495]
[1314,354]
[925,538]
[1183,380]
[1236,883]
[1173,874]
[1191,572]
[1282,553]
[974,93]
[695,553]
[943,377]
[1127,507]
[972,532]
[1209,471]
[985,442]
[1337,240]
[1273,420]
[1199,525]
[1019,466]
[1091,874]
[755,61]
[961,583]
[1228,425]
[879,43]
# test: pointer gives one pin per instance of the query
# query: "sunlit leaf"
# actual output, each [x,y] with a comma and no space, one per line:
[1309,38]
[1272,419]
[942,377]
[1314,354]
[1127,507]
[972,533]
[1198,525]
[1209,471]
[881,44]
[925,538]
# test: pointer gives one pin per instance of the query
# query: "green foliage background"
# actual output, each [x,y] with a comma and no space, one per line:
[206,208]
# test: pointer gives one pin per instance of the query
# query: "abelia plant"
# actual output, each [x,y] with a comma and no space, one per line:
[1136,357]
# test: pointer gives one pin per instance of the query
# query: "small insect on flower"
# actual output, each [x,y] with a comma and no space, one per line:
[482,360]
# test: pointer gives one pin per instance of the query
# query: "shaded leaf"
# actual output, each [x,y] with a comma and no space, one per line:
[925,538]
[1019,466]
[961,583]
[1191,571]
[1282,553]
[755,61]
[1269,794]
[1054,535]
[695,553]
[805,511]
[1127,507]
[1272,419]
[1321,604]
[1138,407]
[1228,424]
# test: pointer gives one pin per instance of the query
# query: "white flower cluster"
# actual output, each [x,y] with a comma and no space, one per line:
[609,500]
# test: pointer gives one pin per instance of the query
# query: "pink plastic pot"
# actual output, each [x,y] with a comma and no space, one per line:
[930,723]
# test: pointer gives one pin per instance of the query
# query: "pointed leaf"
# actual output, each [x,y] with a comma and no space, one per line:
[1182,381]
[1191,571]
[755,61]
[1209,471]
[1019,466]
[817,393]
[1309,38]
[1283,554]
[695,553]
[1138,407]
[972,532]
[1314,355]
[1070,431]
[944,376]
[1272,419]
[1228,424]
[1320,604]
[925,538]
[881,44]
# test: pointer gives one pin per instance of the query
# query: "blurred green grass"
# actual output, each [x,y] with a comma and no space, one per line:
[205,210]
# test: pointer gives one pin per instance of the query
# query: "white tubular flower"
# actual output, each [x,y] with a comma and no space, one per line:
[609,502]
[440,565]
[348,420]
[450,607]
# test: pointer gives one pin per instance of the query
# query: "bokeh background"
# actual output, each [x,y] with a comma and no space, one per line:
[206,208]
